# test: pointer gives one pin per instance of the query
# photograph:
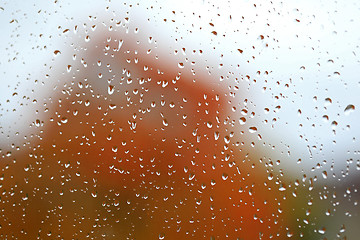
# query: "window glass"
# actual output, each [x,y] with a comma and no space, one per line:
[179,120]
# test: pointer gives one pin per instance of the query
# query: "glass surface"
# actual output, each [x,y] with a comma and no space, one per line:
[179,120]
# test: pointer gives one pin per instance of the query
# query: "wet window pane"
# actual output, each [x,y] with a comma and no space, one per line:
[186,120]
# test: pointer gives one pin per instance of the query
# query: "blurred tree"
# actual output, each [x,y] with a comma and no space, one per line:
[136,145]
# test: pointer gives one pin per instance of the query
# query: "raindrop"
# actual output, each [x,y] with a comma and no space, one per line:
[37,123]
[242,120]
[328,101]
[322,230]
[270,176]
[114,149]
[112,106]
[165,123]
[282,188]
[111,89]
[64,120]
[349,108]
[225,176]
[252,129]
[216,135]
[56,52]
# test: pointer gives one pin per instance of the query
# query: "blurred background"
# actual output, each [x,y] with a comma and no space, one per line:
[177,120]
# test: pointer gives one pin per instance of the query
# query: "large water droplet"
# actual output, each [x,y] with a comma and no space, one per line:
[349,108]
[111,89]
[252,129]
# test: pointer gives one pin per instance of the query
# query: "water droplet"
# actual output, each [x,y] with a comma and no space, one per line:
[252,129]
[242,120]
[165,123]
[349,108]
[225,176]
[56,52]
[37,122]
[282,188]
[322,230]
[191,176]
[64,120]
[216,135]
[111,89]
[114,149]
[328,101]
[120,44]
[326,118]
